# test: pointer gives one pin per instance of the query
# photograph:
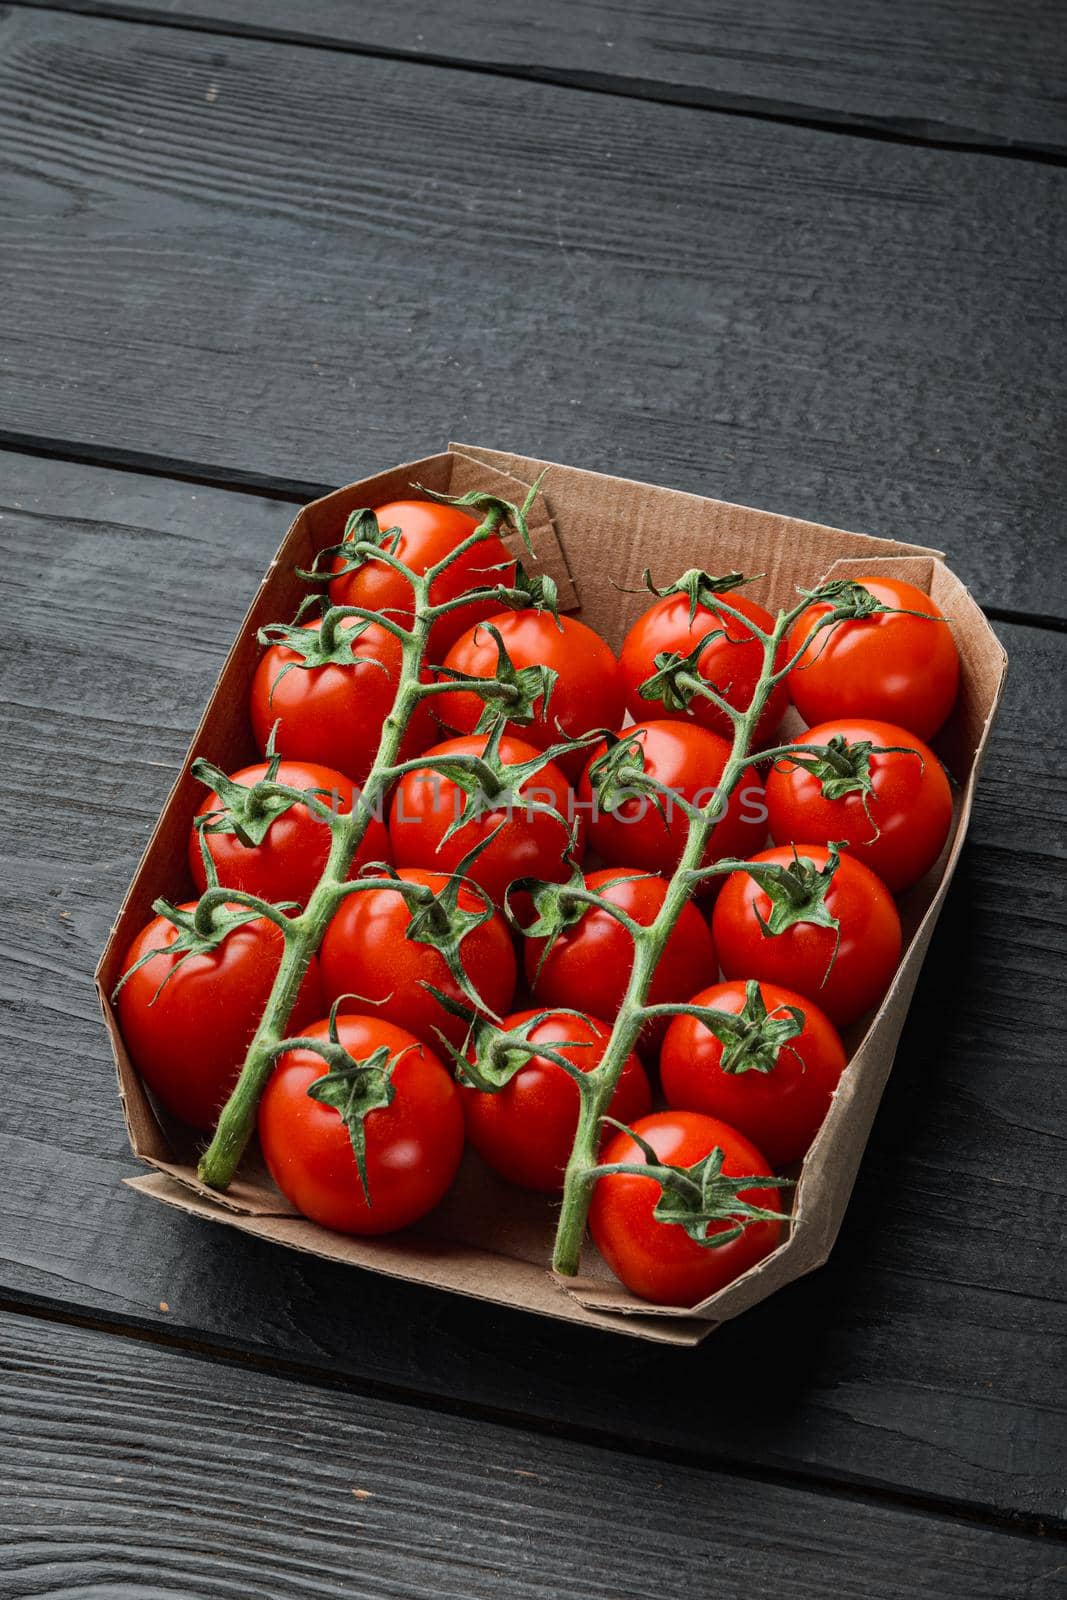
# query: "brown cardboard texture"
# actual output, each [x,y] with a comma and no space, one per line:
[594,535]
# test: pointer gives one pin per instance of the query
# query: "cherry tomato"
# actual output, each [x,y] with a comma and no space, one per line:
[364,952]
[334,714]
[901,830]
[188,1035]
[649,831]
[589,965]
[427,533]
[777,1097]
[658,1260]
[413,1145]
[525,1130]
[587,694]
[289,861]
[530,844]
[731,663]
[802,957]
[897,668]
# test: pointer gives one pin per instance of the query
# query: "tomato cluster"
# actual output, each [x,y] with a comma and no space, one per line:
[475,951]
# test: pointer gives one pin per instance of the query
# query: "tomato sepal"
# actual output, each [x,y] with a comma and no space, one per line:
[699,1197]
[498,1053]
[512,694]
[752,1038]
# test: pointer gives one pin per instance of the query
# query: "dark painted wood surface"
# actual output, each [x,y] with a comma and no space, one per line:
[311,264]
[964,70]
[131,1473]
[919,1359]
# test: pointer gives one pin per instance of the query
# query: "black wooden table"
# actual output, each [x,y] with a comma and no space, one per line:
[805,255]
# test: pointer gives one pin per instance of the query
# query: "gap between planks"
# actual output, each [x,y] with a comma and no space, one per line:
[961,1513]
[921,133]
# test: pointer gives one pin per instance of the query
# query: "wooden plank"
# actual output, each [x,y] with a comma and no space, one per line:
[917,1359]
[930,69]
[118,1460]
[310,264]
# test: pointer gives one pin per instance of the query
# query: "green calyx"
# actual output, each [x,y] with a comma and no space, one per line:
[351,1088]
[438,919]
[676,681]
[200,931]
[797,892]
[492,1056]
[700,1198]
[843,769]
[494,511]
[326,645]
[753,1038]
[248,810]
[490,784]
[511,694]
[699,587]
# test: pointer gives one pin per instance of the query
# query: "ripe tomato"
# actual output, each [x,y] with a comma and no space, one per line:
[530,844]
[588,692]
[776,1094]
[649,831]
[413,1145]
[732,663]
[901,830]
[188,1036]
[333,714]
[658,1260]
[290,858]
[427,533]
[364,952]
[589,965]
[525,1130]
[900,669]
[800,957]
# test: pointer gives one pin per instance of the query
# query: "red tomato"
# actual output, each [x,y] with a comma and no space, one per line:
[333,714]
[589,965]
[365,952]
[897,668]
[648,831]
[525,1130]
[587,694]
[909,803]
[775,1097]
[289,861]
[188,1036]
[800,957]
[732,663]
[530,844]
[427,533]
[658,1260]
[413,1146]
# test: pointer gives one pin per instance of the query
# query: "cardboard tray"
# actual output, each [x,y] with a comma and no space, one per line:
[487,1239]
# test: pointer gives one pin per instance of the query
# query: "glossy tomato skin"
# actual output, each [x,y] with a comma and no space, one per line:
[333,715]
[364,952]
[588,693]
[650,833]
[525,1130]
[529,844]
[911,804]
[413,1145]
[188,1041]
[289,862]
[895,668]
[732,664]
[799,958]
[427,533]
[588,967]
[658,1260]
[781,1111]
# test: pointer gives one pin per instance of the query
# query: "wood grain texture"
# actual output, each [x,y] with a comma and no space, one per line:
[918,1359]
[940,69]
[311,264]
[124,1465]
